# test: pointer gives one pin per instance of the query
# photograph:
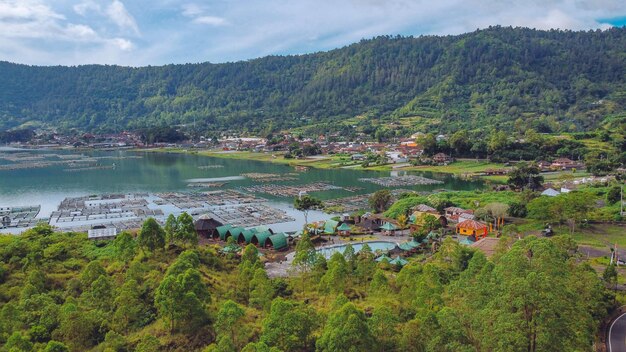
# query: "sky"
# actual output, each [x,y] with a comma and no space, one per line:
[158,32]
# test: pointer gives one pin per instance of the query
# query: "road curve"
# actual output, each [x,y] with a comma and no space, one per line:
[617,334]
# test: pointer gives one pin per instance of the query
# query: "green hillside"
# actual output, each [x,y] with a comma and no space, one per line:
[550,80]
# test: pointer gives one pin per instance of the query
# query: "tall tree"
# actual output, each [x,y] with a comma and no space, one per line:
[305,204]
[151,236]
[379,201]
[346,330]
[289,326]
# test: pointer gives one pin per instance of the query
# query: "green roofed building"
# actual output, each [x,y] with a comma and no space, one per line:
[235,232]
[277,241]
[222,230]
[383,257]
[406,246]
[398,261]
[245,236]
[262,229]
[330,226]
[260,238]
[388,228]
[344,229]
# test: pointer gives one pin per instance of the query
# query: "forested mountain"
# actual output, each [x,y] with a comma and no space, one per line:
[491,77]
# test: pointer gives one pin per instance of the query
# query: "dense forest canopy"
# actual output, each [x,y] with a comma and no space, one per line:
[551,80]
[161,291]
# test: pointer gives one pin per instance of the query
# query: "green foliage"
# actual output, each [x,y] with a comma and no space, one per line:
[151,236]
[181,296]
[345,330]
[517,77]
[289,326]
[305,204]
[228,324]
[379,201]
[525,176]
[125,246]
[185,230]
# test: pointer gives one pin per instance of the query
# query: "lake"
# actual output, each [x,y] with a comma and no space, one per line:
[153,172]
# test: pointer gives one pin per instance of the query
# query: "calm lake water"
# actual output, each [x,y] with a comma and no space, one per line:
[160,172]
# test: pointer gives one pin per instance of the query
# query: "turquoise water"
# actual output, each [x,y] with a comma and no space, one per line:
[163,172]
[375,245]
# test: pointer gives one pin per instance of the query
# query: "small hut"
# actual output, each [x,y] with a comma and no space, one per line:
[245,236]
[206,226]
[235,232]
[472,228]
[221,231]
[259,238]
[389,229]
[277,241]
[344,229]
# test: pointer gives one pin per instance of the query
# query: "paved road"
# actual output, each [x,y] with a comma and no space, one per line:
[617,334]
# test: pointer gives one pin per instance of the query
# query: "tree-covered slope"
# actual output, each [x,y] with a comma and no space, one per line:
[493,76]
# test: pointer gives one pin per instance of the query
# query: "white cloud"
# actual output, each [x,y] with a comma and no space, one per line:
[85,7]
[210,20]
[100,31]
[119,15]
[199,15]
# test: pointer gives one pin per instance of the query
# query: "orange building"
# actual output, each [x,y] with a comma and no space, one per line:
[472,228]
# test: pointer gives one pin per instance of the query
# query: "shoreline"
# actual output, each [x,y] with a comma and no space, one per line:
[465,167]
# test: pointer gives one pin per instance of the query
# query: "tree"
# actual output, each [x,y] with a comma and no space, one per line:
[610,276]
[186,231]
[91,273]
[460,142]
[379,201]
[334,280]
[403,221]
[56,346]
[289,326]
[305,255]
[152,235]
[383,325]
[614,194]
[525,176]
[125,246]
[305,204]
[497,211]
[171,228]
[148,343]
[130,310]
[262,290]
[345,330]
[428,143]
[180,299]
[228,323]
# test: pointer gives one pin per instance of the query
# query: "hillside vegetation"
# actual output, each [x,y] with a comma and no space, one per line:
[548,80]
[61,292]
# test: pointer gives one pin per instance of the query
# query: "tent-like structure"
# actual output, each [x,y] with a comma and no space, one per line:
[233,231]
[222,230]
[260,238]
[245,236]
[344,229]
[206,226]
[277,241]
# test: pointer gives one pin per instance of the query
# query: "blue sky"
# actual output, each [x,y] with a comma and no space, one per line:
[137,32]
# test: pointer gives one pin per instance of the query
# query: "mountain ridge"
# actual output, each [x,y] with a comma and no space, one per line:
[499,76]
